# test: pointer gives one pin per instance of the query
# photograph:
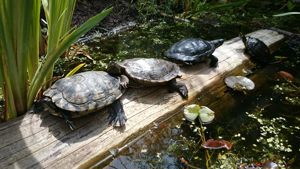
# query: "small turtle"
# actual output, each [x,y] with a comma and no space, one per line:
[194,50]
[150,72]
[257,50]
[86,92]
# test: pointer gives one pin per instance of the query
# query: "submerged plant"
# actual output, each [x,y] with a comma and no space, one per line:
[22,72]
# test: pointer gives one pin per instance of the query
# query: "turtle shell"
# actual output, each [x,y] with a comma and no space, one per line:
[258,50]
[190,50]
[149,71]
[84,92]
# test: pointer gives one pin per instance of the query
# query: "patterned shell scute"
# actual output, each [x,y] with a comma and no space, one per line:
[191,47]
[85,91]
[151,69]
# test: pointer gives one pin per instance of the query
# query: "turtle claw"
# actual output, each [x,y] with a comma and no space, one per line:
[183,91]
[67,117]
[117,117]
[123,81]
[71,124]
[117,120]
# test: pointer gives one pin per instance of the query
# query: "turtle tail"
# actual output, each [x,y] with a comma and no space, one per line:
[217,42]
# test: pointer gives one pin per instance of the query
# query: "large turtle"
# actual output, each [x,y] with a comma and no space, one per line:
[86,92]
[150,72]
[257,50]
[194,50]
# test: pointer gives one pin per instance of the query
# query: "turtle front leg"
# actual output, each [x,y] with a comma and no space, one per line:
[179,87]
[213,61]
[117,114]
[124,81]
[66,115]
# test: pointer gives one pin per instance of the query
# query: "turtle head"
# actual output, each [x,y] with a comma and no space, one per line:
[217,42]
[43,105]
[114,68]
[244,39]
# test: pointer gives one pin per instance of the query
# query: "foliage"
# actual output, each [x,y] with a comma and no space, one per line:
[22,72]
[188,8]
[199,8]
[19,51]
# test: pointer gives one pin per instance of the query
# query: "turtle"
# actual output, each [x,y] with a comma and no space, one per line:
[143,72]
[84,93]
[194,50]
[257,50]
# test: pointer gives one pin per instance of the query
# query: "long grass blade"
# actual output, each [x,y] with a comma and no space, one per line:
[73,71]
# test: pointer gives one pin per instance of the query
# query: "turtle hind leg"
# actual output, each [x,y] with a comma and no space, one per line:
[213,61]
[178,87]
[117,114]
[66,115]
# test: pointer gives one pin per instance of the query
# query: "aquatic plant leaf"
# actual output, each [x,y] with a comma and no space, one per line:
[239,83]
[217,144]
[191,112]
[206,115]
[285,75]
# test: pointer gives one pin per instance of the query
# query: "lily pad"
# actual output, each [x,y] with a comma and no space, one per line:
[217,144]
[239,83]
[191,112]
[206,115]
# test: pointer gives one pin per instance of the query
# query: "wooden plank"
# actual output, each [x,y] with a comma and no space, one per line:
[44,141]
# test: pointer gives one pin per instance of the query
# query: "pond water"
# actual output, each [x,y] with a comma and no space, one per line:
[263,126]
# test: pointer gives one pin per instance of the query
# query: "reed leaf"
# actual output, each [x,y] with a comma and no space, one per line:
[18,24]
[59,16]
[73,71]
[65,42]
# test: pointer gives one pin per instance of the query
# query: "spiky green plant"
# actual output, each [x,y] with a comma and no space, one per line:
[22,72]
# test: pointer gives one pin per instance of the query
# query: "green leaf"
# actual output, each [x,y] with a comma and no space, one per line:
[290,5]
[73,71]
[19,24]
